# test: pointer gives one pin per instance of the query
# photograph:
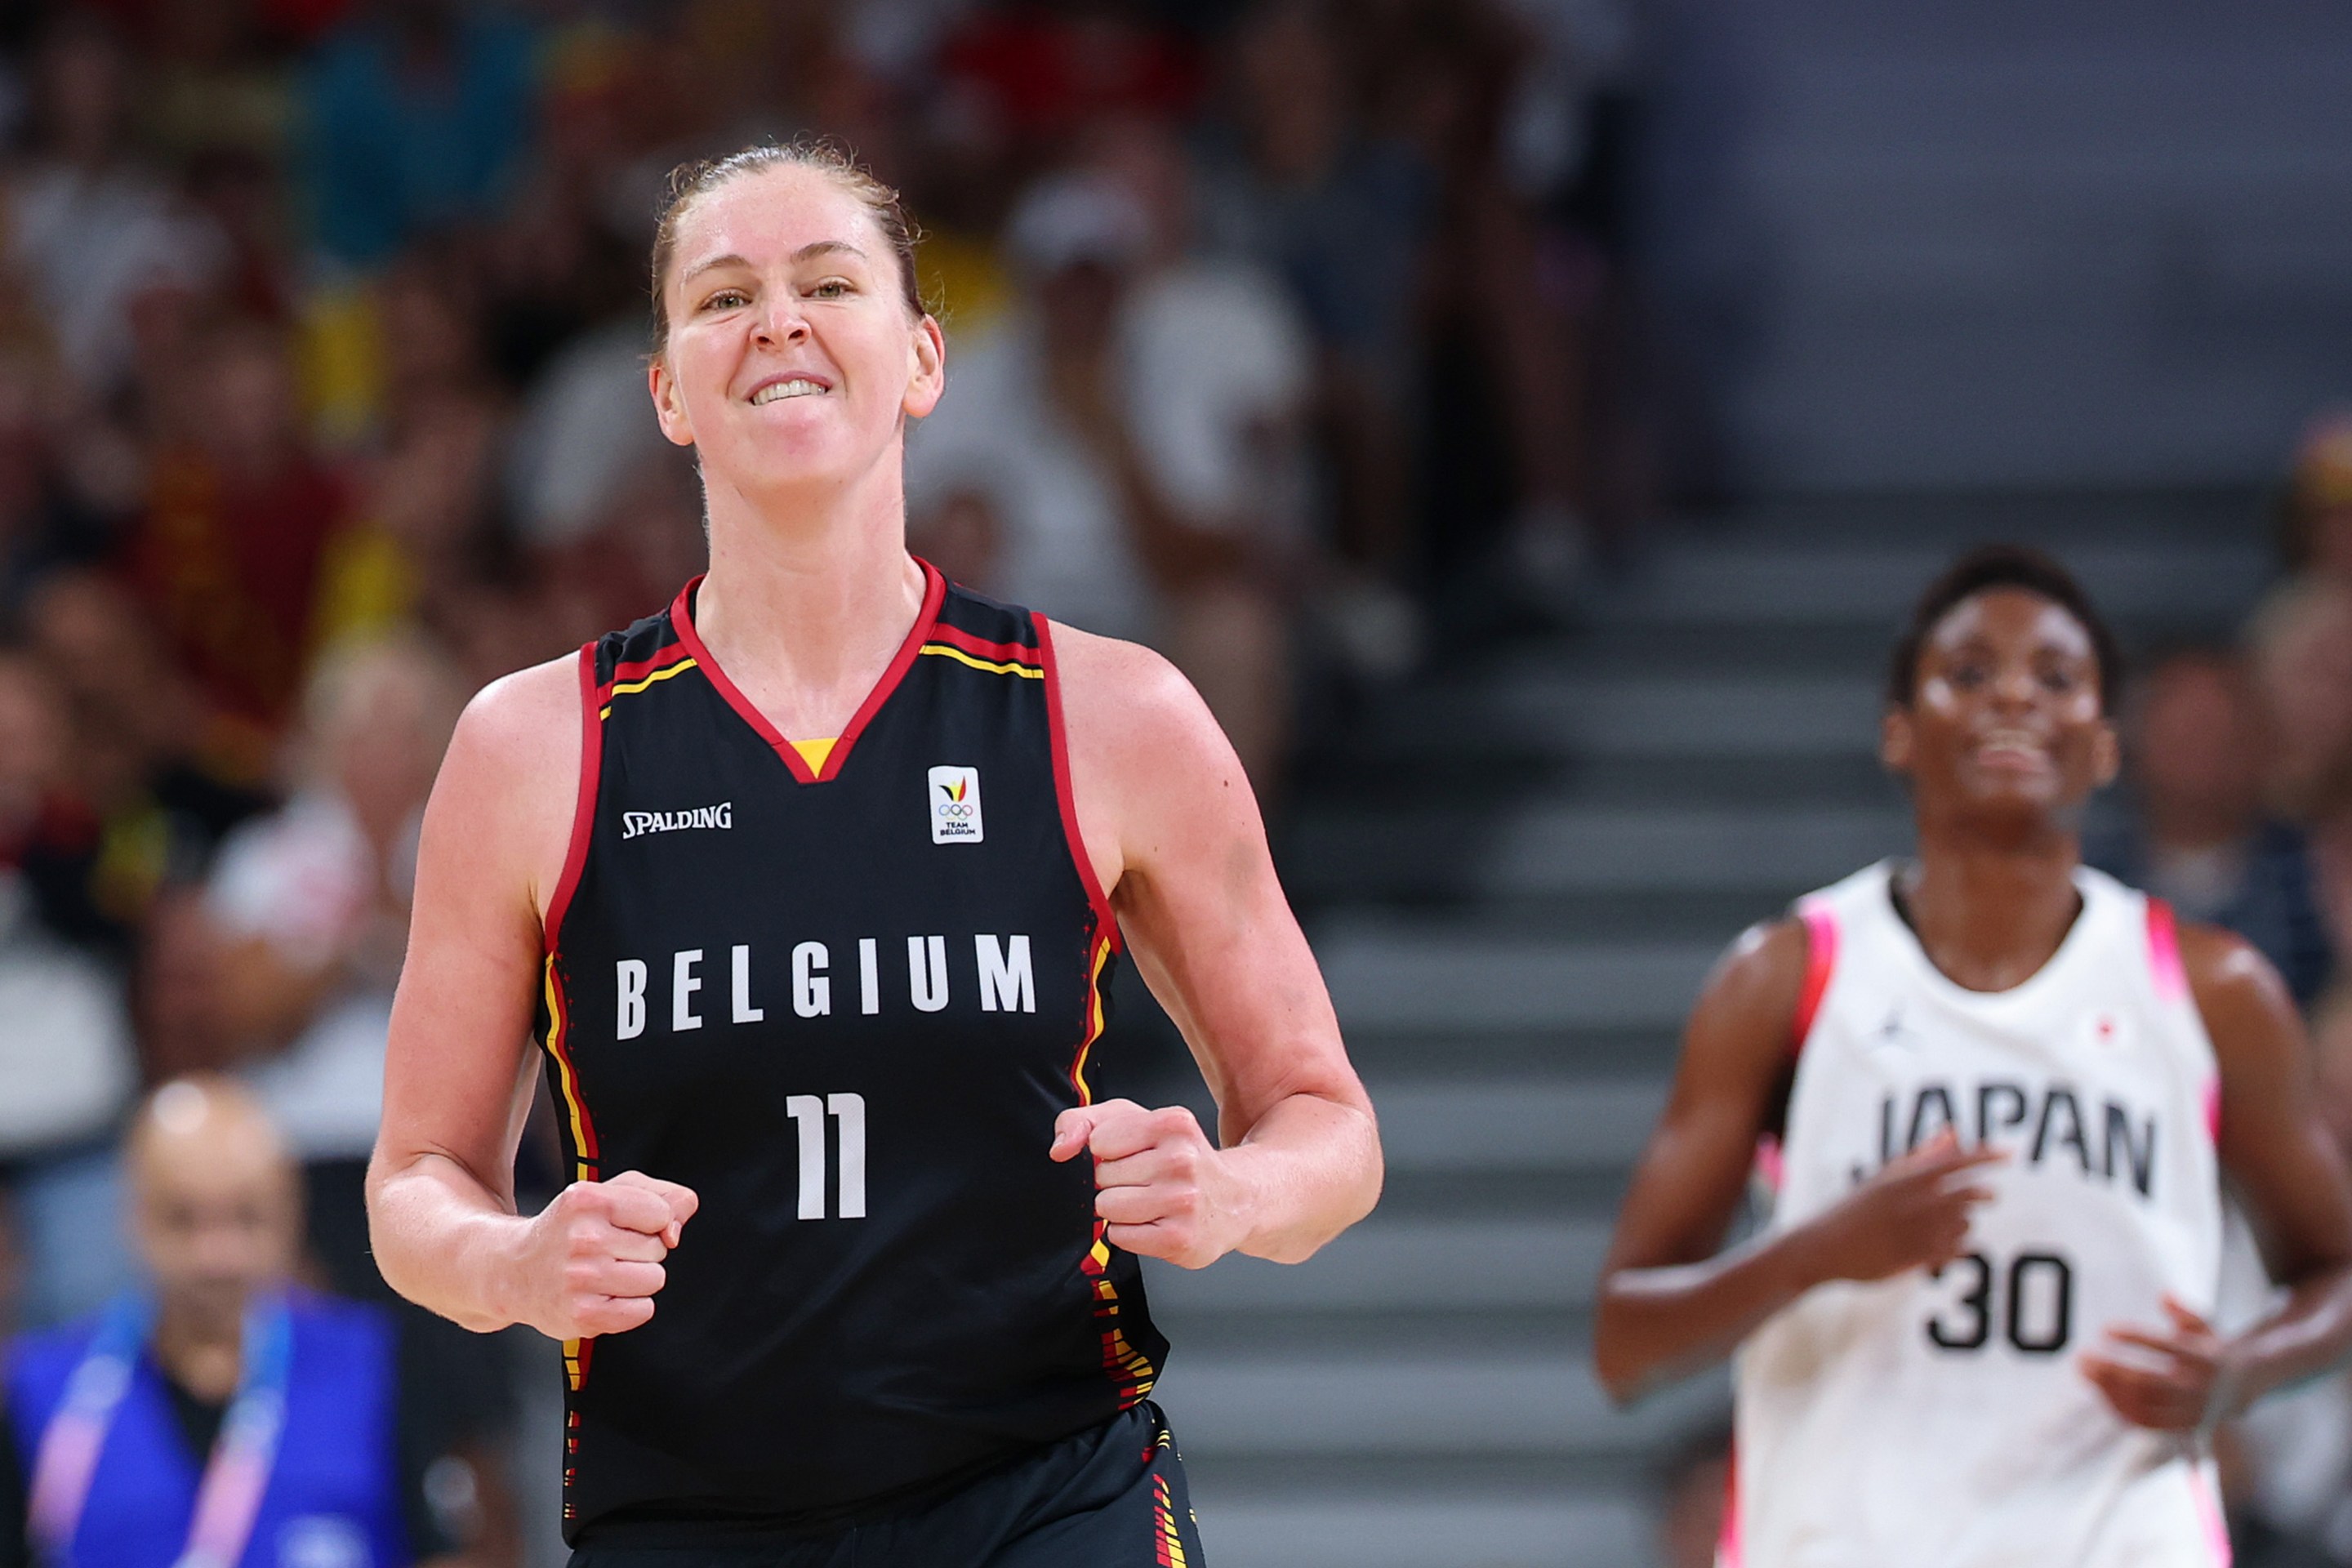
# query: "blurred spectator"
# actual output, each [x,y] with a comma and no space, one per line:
[2303,658]
[1502,413]
[418,115]
[94,231]
[2316,524]
[213,84]
[228,552]
[159,1390]
[2197,748]
[1045,70]
[66,1063]
[584,432]
[311,903]
[1044,425]
[1341,217]
[132,811]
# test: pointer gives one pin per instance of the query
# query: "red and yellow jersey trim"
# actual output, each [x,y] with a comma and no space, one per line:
[945,641]
[580,1128]
[1129,1370]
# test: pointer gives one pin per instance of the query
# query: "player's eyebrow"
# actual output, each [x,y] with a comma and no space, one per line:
[813,248]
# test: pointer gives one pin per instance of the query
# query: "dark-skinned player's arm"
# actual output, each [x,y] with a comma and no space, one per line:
[1671,1301]
[2289,1178]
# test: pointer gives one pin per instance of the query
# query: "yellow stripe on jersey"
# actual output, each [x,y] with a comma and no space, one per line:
[627,687]
[568,1085]
[1094,1023]
[1025,671]
[815,752]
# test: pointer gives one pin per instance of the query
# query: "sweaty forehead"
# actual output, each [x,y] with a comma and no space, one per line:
[768,216]
[2012,617]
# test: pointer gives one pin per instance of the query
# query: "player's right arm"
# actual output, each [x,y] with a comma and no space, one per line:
[1671,1299]
[441,1206]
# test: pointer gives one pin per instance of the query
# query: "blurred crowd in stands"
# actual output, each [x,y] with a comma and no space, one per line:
[1284,335]
[1279,332]
[2240,789]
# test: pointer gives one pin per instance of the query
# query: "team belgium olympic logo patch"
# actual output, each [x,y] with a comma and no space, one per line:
[953,797]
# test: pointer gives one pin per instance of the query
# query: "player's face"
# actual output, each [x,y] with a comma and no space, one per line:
[2006,715]
[792,358]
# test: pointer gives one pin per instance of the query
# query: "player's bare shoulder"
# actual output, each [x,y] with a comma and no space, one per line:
[1123,702]
[1145,752]
[509,785]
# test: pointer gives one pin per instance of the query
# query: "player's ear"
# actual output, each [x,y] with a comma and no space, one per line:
[669,406]
[1895,739]
[928,369]
[2107,753]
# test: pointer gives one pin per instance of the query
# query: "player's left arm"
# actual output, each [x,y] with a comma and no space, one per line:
[1171,830]
[2289,1177]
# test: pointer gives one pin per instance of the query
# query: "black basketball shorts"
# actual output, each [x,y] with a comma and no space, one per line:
[1110,1497]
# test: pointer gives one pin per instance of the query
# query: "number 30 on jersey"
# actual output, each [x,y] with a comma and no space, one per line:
[2031,1303]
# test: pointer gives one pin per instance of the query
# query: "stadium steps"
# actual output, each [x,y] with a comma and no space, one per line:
[1516,874]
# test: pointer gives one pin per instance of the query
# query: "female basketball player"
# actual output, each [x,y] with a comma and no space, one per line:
[1995,1093]
[811,886]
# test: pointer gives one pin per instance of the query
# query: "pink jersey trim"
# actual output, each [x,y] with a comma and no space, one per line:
[2164,953]
[1726,1544]
[2208,1516]
[1820,959]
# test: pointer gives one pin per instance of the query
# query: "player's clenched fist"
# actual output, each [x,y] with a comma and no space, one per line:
[1163,1189]
[591,1260]
[1914,1214]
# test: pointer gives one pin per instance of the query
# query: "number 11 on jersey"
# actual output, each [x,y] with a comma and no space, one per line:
[808,1113]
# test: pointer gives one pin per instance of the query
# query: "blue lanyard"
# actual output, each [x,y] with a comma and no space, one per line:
[237,1472]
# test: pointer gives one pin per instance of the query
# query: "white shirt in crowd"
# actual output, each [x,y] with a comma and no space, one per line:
[302,879]
[1214,354]
[66,1063]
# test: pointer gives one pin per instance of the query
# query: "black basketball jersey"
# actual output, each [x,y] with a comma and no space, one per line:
[845,1004]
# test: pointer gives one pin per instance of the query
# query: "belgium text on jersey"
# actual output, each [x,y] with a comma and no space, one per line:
[635,822]
[1000,969]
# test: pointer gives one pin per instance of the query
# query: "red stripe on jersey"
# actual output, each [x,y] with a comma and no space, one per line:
[981,647]
[1065,793]
[584,809]
[638,669]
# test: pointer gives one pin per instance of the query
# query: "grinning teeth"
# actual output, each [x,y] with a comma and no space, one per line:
[796,388]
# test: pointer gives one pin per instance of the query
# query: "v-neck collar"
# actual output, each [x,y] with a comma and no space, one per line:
[681,616]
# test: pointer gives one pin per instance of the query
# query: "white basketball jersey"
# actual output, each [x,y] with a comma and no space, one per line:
[1941,1422]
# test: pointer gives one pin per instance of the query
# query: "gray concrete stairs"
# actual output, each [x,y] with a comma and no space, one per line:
[1516,872]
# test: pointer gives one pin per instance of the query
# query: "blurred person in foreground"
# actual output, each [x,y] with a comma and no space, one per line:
[1092,430]
[1994,1095]
[223,1414]
[2199,836]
